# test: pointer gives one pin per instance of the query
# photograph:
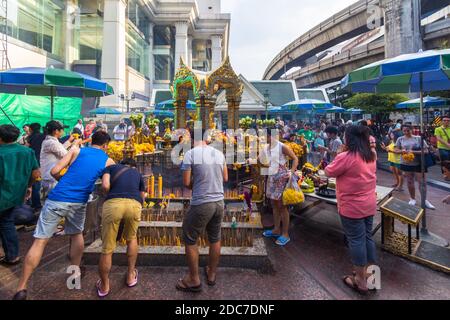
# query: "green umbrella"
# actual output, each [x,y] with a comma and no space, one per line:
[52,83]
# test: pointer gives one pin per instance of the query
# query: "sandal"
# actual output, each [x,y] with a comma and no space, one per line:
[209,282]
[282,241]
[367,277]
[99,290]
[10,263]
[182,286]
[270,234]
[354,285]
[135,281]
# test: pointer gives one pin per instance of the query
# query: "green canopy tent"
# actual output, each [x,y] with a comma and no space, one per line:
[22,109]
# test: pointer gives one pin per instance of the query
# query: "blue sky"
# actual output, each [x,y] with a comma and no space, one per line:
[260,29]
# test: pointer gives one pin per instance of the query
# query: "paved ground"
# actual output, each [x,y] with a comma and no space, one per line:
[310,267]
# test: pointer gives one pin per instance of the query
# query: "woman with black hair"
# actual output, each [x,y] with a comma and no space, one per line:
[275,156]
[52,152]
[355,173]
[412,169]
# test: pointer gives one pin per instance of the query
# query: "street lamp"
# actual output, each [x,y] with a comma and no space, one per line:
[266,102]
[127,99]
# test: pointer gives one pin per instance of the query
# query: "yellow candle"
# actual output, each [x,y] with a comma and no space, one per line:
[152,186]
[160,186]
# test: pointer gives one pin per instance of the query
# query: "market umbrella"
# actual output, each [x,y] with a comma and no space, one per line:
[52,83]
[418,72]
[161,113]
[354,111]
[170,105]
[336,109]
[333,109]
[101,111]
[305,104]
[428,102]
[274,110]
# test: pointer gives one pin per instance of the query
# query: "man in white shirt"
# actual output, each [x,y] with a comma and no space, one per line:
[120,131]
[79,125]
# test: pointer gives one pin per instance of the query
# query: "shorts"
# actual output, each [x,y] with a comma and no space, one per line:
[207,216]
[416,169]
[394,165]
[114,211]
[53,212]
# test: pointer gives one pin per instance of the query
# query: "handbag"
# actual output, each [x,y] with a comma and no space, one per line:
[430,158]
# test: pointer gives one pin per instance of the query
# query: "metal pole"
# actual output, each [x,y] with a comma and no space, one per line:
[52,95]
[7,116]
[422,159]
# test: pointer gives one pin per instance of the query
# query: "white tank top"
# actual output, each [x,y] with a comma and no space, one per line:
[277,158]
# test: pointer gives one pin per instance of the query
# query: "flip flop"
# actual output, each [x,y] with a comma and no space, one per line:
[182,286]
[10,263]
[209,282]
[282,241]
[354,285]
[270,234]
[135,281]
[367,276]
[99,290]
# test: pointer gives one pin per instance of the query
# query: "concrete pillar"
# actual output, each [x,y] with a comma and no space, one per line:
[70,18]
[114,51]
[216,48]
[403,30]
[181,43]
[151,58]
[189,55]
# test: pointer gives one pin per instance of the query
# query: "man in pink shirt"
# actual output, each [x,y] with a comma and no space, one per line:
[355,173]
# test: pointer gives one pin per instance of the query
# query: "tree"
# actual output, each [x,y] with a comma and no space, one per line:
[379,105]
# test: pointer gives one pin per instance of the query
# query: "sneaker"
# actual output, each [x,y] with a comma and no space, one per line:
[412,202]
[429,205]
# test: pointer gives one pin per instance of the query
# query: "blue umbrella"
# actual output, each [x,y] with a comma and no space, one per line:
[161,113]
[105,111]
[170,105]
[333,109]
[354,111]
[428,102]
[274,110]
[306,104]
[52,83]
[336,109]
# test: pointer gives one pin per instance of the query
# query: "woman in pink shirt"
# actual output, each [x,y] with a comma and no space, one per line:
[355,173]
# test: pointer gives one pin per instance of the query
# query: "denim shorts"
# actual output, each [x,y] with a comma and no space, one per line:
[53,212]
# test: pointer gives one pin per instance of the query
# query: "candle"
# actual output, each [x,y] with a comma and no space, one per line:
[152,186]
[160,186]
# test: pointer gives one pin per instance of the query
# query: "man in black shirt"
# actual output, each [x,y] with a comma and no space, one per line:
[35,142]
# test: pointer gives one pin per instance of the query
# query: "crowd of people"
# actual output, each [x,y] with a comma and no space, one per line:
[66,169]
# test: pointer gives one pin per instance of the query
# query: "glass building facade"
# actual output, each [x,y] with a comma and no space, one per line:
[88,31]
[164,52]
[45,24]
[38,23]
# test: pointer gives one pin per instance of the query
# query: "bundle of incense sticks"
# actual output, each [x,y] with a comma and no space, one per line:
[172,236]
